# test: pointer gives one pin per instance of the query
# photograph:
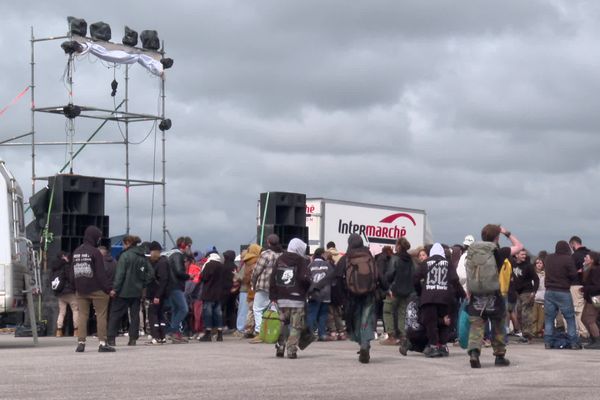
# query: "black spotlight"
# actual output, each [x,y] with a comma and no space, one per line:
[150,40]
[165,125]
[166,62]
[71,111]
[100,31]
[113,85]
[77,26]
[71,46]
[130,38]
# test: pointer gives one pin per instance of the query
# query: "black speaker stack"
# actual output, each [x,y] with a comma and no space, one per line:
[283,214]
[77,202]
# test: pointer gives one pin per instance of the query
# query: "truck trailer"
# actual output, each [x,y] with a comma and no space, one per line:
[334,220]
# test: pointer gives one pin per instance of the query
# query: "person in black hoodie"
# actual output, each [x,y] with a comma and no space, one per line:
[434,282]
[526,283]
[212,294]
[92,286]
[62,268]
[560,275]
[579,253]
[158,292]
[288,287]
[229,292]
[400,277]
[360,321]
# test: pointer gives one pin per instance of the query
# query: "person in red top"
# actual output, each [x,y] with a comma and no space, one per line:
[192,288]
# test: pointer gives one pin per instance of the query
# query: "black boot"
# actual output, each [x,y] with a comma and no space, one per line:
[501,361]
[364,356]
[474,359]
[593,345]
[207,337]
[279,350]
[219,335]
[132,342]
[111,341]
[80,347]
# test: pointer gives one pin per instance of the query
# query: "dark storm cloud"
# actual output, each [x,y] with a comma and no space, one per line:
[477,111]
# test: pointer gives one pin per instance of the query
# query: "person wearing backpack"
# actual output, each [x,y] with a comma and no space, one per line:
[64,290]
[361,280]
[133,274]
[319,294]
[483,263]
[399,275]
[288,287]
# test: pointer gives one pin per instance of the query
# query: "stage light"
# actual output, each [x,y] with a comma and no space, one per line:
[130,38]
[77,26]
[100,31]
[165,125]
[166,62]
[71,111]
[71,46]
[150,40]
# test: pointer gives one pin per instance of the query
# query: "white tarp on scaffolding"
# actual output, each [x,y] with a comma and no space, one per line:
[122,57]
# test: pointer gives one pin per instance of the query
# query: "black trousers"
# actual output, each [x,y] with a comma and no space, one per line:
[432,319]
[118,309]
[157,320]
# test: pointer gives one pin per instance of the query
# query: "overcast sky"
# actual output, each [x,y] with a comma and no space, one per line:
[476,111]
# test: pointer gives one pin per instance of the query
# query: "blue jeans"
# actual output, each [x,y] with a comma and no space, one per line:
[212,313]
[555,301]
[242,311]
[317,317]
[179,310]
[261,302]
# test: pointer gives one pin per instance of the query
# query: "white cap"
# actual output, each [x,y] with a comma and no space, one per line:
[469,240]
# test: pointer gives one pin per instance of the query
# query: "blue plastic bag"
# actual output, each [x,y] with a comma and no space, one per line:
[464,325]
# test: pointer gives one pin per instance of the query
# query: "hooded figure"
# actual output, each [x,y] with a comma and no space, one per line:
[229,292]
[297,246]
[560,268]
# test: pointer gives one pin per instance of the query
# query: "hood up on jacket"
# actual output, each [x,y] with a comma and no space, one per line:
[355,242]
[297,246]
[437,250]
[214,257]
[229,255]
[252,253]
[92,236]
[563,248]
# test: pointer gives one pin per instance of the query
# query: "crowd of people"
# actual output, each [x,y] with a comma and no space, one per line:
[477,294]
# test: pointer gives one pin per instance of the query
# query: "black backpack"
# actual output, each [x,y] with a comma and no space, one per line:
[58,280]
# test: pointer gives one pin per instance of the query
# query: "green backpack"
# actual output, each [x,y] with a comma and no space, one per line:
[270,327]
[482,271]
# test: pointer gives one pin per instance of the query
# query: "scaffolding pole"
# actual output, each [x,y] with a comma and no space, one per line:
[32,92]
[127,186]
[164,161]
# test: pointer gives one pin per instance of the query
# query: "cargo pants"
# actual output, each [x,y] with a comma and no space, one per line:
[292,323]
[525,309]
[478,328]
[394,315]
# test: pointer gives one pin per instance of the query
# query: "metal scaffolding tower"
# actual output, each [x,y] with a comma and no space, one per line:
[119,114]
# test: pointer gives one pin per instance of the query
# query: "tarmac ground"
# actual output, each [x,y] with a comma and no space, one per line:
[235,369]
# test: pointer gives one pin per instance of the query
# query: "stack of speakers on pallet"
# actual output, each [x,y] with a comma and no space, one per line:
[283,214]
[77,202]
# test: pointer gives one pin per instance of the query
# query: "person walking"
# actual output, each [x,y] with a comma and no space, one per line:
[158,293]
[319,294]
[65,291]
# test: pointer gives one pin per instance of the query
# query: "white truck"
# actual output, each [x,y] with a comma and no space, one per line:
[17,274]
[334,220]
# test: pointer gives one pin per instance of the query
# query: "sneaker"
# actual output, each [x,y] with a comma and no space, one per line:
[522,339]
[132,342]
[390,341]
[238,334]
[279,351]
[292,356]
[431,352]
[594,345]
[443,350]
[111,341]
[342,336]
[501,361]
[249,335]
[474,359]
[256,340]
[153,342]
[104,348]
[178,338]
[486,343]
[219,336]
[576,346]
[404,345]
[80,348]
[325,338]
[363,356]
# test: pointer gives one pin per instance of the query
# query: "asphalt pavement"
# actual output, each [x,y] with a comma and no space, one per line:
[235,369]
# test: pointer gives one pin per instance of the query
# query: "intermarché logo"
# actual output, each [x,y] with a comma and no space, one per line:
[377,233]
